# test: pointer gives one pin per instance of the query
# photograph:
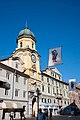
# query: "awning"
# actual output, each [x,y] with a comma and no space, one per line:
[19,105]
[55,107]
[42,107]
[4,105]
[50,107]
[7,105]
[16,105]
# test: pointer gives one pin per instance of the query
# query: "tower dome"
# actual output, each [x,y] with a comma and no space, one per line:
[26,33]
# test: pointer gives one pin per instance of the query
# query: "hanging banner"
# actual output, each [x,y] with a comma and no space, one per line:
[55,56]
[72,84]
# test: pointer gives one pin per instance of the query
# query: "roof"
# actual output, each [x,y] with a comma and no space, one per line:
[26,33]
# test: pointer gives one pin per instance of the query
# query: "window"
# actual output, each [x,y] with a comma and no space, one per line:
[7,75]
[47,79]
[53,90]
[48,100]
[64,93]
[24,81]
[59,84]
[63,85]
[42,78]
[33,45]
[60,91]
[67,94]
[17,77]
[16,65]
[27,45]
[6,92]
[42,99]
[52,81]
[51,73]
[57,91]
[24,94]
[56,83]
[16,92]
[55,75]
[59,77]
[45,100]
[65,102]
[42,88]
[20,44]
[48,89]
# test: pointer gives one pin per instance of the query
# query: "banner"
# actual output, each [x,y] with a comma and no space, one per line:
[72,84]
[55,56]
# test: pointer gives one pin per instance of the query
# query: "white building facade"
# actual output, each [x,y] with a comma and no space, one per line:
[55,92]
[17,95]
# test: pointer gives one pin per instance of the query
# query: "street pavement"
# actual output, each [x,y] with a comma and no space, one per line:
[64,117]
[58,117]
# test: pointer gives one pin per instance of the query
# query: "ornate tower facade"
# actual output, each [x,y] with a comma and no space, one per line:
[27,52]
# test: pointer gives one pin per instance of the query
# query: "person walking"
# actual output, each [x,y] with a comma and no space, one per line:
[41,115]
[46,114]
[50,114]
[12,114]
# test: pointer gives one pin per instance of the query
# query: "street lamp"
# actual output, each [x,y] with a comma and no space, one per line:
[38,94]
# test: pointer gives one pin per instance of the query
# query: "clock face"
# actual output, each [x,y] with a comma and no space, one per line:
[33,58]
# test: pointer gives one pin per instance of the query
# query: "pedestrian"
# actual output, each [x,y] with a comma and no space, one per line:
[46,114]
[41,115]
[24,113]
[50,114]
[12,114]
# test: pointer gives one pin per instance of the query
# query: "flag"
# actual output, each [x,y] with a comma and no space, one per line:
[55,56]
[72,84]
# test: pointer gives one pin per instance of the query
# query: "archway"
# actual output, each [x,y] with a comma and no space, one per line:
[33,103]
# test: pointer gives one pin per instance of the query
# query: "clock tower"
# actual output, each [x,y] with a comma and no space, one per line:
[27,52]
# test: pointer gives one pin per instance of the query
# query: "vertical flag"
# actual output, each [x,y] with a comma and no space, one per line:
[55,56]
[72,84]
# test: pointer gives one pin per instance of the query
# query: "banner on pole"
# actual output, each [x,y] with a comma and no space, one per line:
[72,84]
[55,56]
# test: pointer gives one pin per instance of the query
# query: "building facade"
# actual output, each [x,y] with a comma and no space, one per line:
[17,95]
[55,92]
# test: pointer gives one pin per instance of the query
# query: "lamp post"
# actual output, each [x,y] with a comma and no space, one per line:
[38,94]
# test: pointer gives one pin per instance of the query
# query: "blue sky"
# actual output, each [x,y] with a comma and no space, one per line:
[53,22]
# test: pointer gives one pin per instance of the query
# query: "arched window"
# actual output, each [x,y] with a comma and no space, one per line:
[20,44]
[32,45]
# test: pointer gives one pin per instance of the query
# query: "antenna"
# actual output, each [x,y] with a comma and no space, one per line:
[26,24]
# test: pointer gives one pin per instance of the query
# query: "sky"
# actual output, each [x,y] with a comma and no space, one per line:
[54,23]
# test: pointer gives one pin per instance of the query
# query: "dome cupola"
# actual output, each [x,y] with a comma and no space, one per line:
[26,33]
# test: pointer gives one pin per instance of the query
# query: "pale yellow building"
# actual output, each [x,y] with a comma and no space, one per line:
[55,92]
